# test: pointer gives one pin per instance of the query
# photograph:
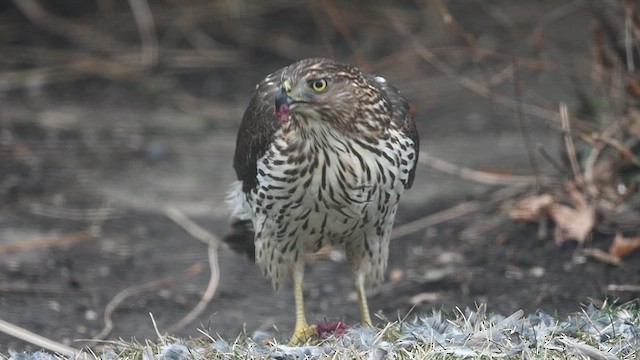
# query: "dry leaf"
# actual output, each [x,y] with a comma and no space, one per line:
[624,246]
[573,223]
[531,208]
[633,88]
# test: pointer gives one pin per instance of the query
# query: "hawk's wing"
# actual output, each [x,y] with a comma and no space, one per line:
[402,117]
[259,124]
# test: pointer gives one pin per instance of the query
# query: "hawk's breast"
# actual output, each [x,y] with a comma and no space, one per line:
[328,189]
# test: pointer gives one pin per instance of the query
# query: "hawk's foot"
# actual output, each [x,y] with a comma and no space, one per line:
[302,333]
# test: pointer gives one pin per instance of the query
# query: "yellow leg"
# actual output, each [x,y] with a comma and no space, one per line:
[302,331]
[362,301]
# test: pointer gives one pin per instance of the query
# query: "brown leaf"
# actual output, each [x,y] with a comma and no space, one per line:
[623,246]
[573,222]
[633,88]
[531,208]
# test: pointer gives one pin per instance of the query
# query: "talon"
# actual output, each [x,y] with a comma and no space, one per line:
[302,334]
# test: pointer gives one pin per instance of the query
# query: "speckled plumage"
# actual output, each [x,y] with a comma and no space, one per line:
[331,172]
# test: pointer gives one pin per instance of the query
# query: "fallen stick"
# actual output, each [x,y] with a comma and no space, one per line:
[476,175]
[213,242]
[39,340]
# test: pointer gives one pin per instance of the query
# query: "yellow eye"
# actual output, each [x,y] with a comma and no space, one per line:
[318,85]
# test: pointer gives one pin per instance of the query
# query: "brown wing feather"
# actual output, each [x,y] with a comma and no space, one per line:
[258,127]
[402,117]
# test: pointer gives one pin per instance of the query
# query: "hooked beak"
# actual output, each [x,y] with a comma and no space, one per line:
[284,101]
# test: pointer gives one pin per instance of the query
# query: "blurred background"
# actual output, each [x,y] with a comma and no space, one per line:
[118,118]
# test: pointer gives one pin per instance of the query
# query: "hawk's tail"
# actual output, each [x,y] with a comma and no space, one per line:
[240,238]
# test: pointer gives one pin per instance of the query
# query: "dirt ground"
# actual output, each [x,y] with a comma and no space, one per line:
[89,167]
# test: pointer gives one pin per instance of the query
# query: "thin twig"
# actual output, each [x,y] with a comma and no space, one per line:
[132,291]
[38,340]
[28,288]
[437,218]
[556,14]
[476,175]
[146,29]
[457,211]
[496,11]
[66,213]
[554,163]
[122,296]
[500,76]
[549,115]
[466,82]
[589,174]
[592,158]
[155,328]
[568,141]
[190,227]
[335,15]
[523,124]
[46,242]
[628,44]
[79,34]
[208,294]
[322,28]
[622,149]
[213,243]
[124,67]
[451,22]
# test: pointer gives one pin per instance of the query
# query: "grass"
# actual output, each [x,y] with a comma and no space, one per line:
[609,332]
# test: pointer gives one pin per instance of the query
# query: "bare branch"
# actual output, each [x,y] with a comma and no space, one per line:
[79,34]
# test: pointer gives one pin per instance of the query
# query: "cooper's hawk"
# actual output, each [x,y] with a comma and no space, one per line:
[323,154]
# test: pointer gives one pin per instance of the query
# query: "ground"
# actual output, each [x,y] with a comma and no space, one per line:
[89,168]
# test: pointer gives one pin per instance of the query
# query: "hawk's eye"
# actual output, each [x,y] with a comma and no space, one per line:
[318,85]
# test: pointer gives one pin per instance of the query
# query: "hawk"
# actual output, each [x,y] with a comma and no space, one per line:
[323,155]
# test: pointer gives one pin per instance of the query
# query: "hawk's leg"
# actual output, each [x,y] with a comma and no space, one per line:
[362,300]
[302,331]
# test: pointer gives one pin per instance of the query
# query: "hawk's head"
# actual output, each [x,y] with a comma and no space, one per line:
[327,91]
